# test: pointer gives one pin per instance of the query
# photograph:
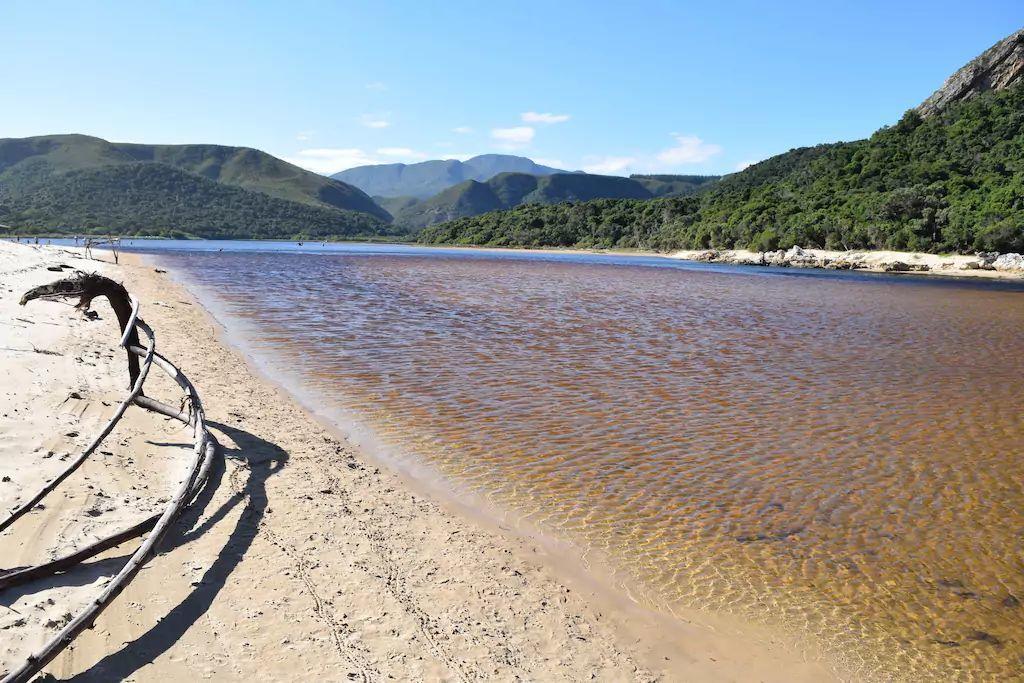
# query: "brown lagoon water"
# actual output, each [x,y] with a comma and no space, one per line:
[841,456]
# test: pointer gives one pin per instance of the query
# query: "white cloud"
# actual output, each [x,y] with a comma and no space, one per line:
[743,164]
[375,120]
[689,149]
[462,130]
[403,152]
[376,86]
[460,156]
[595,164]
[555,163]
[513,138]
[536,117]
[304,135]
[329,160]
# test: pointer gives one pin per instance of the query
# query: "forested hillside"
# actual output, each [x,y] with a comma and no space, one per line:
[953,181]
[666,185]
[506,190]
[77,183]
[155,199]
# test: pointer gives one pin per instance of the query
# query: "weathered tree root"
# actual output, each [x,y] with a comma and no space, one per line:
[88,286]
[94,444]
[205,449]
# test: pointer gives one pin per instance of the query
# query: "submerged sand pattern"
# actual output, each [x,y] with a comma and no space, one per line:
[840,456]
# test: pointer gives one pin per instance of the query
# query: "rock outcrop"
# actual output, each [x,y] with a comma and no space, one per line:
[999,67]
[1009,262]
[798,257]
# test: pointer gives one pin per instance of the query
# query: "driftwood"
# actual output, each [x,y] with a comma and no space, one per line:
[86,288]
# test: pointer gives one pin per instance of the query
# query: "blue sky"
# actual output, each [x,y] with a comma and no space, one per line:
[614,87]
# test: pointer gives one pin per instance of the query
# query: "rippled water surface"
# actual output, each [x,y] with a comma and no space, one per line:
[842,456]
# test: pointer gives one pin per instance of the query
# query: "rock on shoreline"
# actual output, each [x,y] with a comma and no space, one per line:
[884,261]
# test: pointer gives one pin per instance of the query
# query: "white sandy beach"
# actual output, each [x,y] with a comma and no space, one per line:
[305,558]
[878,261]
[871,261]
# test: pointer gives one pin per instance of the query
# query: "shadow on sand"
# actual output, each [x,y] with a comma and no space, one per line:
[261,459]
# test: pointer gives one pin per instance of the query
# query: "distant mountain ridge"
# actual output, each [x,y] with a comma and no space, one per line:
[507,190]
[427,178]
[81,183]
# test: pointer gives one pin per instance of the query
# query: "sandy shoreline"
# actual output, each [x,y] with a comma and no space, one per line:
[892,262]
[308,558]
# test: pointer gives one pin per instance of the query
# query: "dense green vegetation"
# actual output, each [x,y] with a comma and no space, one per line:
[395,205]
[254,170]
[507,190]
[664,185]
[77,183]
[951,182]
[155,199]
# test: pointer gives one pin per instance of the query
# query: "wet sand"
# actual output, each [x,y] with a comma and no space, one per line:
[306,557]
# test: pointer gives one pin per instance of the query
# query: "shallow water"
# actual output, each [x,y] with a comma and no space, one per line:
[840,455]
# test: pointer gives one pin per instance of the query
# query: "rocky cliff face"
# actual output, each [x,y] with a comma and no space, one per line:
[1001,66]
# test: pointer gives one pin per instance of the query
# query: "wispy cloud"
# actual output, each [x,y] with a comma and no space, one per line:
[377,86]
[516,137]
[545,118]
[329,160]
[403,152]
[460,156]
[598,164]
[544,161]
[304,135]
[375,120]
[462,130]
[689,149]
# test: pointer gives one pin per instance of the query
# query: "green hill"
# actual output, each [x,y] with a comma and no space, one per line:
[252,169]
[507,190]
[944,179]
[79,183]
[674,185]
[395,205]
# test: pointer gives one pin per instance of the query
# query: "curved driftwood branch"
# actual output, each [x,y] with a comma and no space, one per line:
[97,440]
[86,287]
[205,449]
[20,575]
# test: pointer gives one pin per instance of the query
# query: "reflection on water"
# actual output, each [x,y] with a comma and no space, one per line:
[841,456]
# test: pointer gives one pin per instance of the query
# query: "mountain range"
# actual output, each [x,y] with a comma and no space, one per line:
[507,190]
[427,178]
[78,183]
[949,176]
